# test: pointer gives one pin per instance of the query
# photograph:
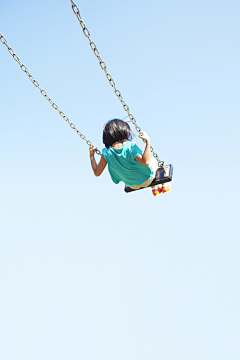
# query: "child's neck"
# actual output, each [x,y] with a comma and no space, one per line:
[117,145]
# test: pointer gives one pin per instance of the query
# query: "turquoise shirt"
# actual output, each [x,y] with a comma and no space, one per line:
[122,165]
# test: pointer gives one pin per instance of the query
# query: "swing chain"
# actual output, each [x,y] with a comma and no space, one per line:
[43,92]
[110,79]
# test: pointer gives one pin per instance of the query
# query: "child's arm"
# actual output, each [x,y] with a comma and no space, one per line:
[97,168]
[144,158]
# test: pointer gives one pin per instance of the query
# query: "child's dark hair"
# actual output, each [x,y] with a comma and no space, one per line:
[116,130]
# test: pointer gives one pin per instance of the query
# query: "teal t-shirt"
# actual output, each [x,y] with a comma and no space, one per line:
[122,165]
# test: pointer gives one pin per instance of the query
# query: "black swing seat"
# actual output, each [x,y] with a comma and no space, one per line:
[160,178]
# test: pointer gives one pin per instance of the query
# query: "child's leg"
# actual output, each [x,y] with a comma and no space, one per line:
[154,165]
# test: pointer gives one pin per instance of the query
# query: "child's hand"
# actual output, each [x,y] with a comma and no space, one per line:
[92,150]
[144,136]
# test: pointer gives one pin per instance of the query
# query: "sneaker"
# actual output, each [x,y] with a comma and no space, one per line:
[166,187]
[157,189]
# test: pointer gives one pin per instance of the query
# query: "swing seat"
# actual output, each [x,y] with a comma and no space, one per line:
[160,178]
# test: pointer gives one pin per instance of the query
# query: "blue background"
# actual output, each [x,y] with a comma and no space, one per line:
[87,271]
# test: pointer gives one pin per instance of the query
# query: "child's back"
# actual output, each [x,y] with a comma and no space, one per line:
[123,166]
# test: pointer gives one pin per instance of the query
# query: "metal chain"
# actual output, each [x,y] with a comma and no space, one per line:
[110,79]
[43,92]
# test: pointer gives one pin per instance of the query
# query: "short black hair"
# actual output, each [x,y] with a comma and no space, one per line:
[116,130]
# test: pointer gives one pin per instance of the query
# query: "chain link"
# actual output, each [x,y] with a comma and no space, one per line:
[110,79]
[43,92]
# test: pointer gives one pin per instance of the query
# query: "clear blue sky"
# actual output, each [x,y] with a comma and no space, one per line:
[87,271]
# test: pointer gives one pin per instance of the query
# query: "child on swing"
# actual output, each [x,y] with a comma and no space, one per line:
[126,161]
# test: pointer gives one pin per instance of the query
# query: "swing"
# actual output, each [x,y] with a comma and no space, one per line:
[164,173]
